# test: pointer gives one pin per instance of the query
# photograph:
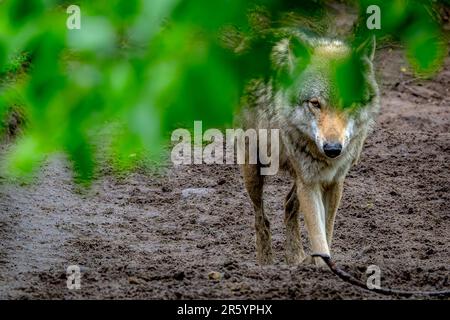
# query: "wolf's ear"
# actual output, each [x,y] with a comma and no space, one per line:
[367,48]
[288,53]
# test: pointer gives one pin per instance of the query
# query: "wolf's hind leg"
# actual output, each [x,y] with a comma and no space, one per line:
[254,183]
[293,246]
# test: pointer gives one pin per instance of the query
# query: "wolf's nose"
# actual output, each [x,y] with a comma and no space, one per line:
[332,150]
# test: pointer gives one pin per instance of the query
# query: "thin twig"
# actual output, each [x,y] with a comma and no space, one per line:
[386,291]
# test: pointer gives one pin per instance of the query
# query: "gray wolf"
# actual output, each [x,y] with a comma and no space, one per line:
[321,134]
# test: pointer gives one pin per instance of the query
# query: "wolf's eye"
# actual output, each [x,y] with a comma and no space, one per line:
[314,102]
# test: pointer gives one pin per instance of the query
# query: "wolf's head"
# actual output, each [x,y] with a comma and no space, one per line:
[325,89]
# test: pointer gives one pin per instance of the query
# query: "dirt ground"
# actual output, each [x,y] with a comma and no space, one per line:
[159,237]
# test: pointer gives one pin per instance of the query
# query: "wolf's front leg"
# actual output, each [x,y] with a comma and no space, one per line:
[311,205]
[331,199]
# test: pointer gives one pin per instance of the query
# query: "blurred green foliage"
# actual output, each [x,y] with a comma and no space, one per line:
[137,69]
[413,23]
[15,64]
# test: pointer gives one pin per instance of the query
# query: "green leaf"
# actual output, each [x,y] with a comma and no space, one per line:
[425,49]
[97,36]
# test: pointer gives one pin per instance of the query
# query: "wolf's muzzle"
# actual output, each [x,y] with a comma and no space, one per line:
[332,150]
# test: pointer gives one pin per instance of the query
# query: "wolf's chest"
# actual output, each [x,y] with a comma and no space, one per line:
[297,157]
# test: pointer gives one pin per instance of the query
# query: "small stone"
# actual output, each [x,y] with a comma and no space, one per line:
[214,275]
[179,275]
[152,214]
[134,280]
[165,189]
[192,192]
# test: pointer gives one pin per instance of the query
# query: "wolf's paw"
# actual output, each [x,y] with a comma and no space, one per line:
[308,260]
[295,259]
[264,260]
[318,262]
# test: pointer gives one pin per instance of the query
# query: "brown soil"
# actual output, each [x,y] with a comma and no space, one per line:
[140,237]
